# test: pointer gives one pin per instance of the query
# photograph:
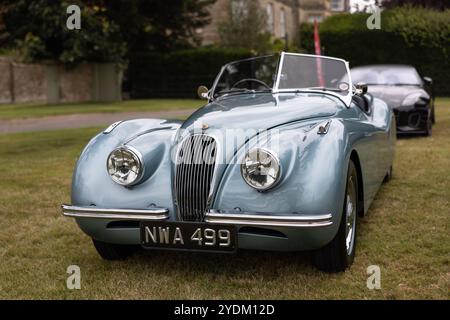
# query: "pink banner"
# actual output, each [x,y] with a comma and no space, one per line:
[318,52]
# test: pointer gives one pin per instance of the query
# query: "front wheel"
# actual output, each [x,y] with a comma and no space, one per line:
[110,251]
[338,255]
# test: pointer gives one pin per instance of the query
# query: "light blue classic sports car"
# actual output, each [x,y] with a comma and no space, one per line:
[286,155]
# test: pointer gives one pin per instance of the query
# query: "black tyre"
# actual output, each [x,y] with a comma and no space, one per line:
[429,129]
[433,117]
[109,251]
[388,175]
[339,254]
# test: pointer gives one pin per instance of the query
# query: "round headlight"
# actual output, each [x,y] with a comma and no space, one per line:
[260,169]
[125,166]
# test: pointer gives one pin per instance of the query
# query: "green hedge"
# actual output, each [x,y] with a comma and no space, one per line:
[415,36]
[177,74]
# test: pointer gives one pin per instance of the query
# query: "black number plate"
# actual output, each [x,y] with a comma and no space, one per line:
[188,236]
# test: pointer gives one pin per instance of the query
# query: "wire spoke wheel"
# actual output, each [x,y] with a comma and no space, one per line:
[339,254]
[350,216]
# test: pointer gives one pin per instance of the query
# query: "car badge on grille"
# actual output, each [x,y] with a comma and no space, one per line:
[205,126]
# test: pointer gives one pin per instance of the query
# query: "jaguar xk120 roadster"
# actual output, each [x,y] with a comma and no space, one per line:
[284,156]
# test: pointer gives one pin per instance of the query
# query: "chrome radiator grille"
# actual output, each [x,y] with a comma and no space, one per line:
[195,165]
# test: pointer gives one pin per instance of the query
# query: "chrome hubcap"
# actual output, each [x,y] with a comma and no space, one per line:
[350,216]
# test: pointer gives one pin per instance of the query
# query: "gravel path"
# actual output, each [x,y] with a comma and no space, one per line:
[83,120]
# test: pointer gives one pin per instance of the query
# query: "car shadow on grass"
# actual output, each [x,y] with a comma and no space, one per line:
[408,136]
[267,264]
[225,264]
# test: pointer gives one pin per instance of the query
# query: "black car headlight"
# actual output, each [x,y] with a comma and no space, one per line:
[125,166]
[412,99]
[260,169]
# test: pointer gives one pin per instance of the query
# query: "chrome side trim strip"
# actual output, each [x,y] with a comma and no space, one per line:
[115,214]
[262,219]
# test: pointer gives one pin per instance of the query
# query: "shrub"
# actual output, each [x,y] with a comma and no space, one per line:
[178,74]
[415,36]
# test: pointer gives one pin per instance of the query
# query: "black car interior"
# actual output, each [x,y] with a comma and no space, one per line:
[364,102]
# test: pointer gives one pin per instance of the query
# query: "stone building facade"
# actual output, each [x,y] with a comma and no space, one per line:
[283,16]
[319,10]
[282,19]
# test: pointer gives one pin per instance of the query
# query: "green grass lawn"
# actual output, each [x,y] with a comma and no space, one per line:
[14,111]
[406,234]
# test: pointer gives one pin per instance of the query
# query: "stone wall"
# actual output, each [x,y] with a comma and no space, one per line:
[5,83]
[54,83]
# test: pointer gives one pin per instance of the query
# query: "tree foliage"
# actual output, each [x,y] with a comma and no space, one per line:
[178,74]
[110,29]
[157,24]
[421,27]
[408,35]
[432,4]
[37,29]
[246,27]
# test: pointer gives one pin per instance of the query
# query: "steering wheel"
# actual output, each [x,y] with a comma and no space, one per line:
[251,80]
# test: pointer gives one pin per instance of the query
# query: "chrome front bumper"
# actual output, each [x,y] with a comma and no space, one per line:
[115,214]
[242,219]
[263,219]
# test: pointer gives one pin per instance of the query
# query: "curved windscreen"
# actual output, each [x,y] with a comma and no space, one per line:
[290,72]
[255,74]
[313,73]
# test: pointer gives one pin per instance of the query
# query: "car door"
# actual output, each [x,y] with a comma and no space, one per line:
[373,144]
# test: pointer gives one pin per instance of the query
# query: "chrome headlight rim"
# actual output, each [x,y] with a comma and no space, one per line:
[274,158]
[137,156]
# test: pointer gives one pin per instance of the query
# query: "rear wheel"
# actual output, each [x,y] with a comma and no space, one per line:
[429,129]
[433,118]
[110,251]
[338,255]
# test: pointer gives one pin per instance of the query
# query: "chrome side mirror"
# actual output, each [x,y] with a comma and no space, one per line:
[203,92]
[361,88]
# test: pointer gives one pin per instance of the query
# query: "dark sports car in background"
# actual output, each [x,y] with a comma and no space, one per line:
[402,88]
